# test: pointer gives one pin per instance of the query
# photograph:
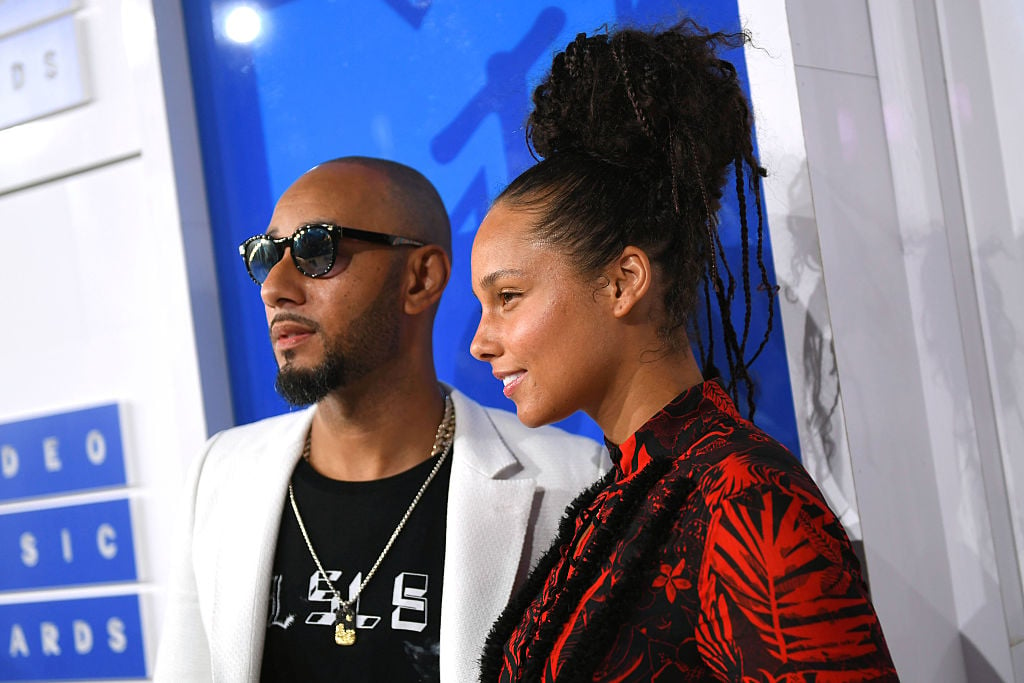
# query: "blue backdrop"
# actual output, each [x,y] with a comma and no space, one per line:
[442,86]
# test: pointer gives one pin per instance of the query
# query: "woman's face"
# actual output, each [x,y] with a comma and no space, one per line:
[545,329]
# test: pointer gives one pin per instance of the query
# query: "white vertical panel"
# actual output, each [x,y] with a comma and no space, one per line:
[1003,24]
[985,101]
[911,197]
[961,433]
[797,258]
[850,207]
[878,371]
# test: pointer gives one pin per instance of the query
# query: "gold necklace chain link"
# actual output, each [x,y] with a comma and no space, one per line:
[443,445]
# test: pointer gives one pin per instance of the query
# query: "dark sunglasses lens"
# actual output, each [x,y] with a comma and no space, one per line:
[313,251]
[262,255]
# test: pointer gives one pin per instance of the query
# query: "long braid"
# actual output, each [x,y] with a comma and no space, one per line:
[627,81]
[724,294]
[708,367]
[744,251]
[747,305]
[766,285]
[710,223]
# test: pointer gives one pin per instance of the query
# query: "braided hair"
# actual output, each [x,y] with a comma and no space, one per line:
[637,133]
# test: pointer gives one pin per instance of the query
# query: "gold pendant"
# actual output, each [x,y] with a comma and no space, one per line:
[345,626]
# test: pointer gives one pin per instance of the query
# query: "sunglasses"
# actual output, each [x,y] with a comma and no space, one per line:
[314,248]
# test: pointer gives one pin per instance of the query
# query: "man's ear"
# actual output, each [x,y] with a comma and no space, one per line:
[427,273]
[629,276]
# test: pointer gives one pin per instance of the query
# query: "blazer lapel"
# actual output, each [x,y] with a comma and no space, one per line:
[488,518]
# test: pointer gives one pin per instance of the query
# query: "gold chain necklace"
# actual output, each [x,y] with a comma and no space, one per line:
[345,616]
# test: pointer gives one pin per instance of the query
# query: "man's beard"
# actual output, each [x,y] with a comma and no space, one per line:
[306,386]
[370,342]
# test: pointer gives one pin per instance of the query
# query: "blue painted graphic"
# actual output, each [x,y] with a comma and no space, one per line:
[89,639]
[80,544]
[441,86]
[503,68]
[62,453]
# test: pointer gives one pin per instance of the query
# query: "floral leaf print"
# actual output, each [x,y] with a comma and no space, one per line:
[671,578]
[772,582]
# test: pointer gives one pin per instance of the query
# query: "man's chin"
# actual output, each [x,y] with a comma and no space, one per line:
[292,365]
[303,386]
[291,358]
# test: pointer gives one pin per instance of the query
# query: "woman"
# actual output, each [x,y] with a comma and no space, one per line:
[707,552]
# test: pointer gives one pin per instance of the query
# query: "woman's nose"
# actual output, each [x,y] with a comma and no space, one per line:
[483,346]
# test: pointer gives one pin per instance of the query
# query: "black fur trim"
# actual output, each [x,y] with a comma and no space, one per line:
[493,654]
[593,650]
[589,564]
[586,568]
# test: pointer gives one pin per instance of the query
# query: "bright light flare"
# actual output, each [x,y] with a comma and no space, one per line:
[243,24]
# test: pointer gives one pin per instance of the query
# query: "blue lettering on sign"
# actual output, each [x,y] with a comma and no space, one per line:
[71,451]
[86,639]
[66,546]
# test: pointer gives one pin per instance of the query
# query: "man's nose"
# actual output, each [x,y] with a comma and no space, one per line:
[283,283]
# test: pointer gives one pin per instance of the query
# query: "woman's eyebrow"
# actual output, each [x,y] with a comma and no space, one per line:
[489,279]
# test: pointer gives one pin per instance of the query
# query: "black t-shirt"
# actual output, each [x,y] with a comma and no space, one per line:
[399,611]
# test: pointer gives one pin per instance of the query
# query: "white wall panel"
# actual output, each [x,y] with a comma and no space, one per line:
[899,210]
[797,258]
[97,312]
[984,98]
[961,433]
[876,356]
[830,35]
[97,270]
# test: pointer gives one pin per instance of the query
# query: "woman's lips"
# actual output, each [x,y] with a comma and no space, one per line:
[511,382]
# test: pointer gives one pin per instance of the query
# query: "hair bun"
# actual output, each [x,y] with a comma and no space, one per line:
[636,99]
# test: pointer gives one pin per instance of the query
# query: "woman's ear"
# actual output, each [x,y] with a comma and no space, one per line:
[427,273]
[630,278]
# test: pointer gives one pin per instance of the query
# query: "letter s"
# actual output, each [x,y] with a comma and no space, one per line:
[50,60]
[116,640]
[29,552]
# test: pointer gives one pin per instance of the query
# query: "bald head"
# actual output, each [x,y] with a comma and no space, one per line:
[414,203]
[382,197]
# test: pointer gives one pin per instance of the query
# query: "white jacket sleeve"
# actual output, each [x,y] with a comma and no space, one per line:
[183,653]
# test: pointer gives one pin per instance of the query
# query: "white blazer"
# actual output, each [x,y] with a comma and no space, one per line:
[509,486]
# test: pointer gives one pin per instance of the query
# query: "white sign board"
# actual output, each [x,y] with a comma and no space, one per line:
[19,14]
[40,71]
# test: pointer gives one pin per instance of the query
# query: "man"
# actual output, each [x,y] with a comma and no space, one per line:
[377,535]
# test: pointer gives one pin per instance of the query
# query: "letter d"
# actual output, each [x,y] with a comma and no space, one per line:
[83,636]
[9,461]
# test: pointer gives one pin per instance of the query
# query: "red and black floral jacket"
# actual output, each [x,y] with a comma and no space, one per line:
[707,554]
